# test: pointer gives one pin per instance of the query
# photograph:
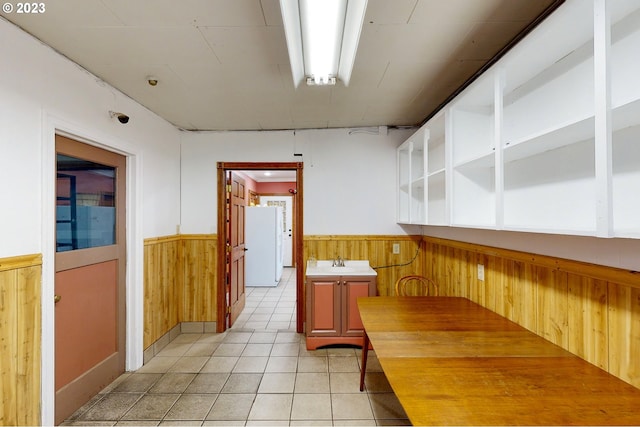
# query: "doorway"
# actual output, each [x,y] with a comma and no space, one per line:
[225,267]
[286,204]
[90,268]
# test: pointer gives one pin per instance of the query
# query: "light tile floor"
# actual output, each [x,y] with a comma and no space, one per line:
[257,373]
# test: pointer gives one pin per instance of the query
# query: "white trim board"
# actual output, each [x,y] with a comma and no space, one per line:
[51,126]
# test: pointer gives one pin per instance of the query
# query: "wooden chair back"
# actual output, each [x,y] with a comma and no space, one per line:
[415,285]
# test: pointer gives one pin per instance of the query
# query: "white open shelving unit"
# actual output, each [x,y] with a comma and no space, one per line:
[412,191]
[437,209]
[546,140]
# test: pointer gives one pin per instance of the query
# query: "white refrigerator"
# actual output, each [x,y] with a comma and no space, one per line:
[263,241]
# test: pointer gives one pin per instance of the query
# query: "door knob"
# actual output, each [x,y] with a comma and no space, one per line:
[57,298]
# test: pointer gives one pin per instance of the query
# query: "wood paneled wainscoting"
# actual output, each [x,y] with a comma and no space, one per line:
[378,249]
[200,272]
[592,311]
[179,283]
[20,336]
[162,286]
[180,273]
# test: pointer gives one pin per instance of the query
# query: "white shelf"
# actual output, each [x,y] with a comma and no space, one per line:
[474,196]
[626,115]
[626,181]
[436,175]
[630,233]
[417,165]
[625,63]
[553,190]
[550,139]
[472,134]
[436,156]
[568,28]
[417,183]
[436,144]
[486,160]
[532,229]
[549,78]
[473,225]
[437,202]
[550,105]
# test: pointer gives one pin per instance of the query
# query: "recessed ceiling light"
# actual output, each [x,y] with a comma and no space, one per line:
[267,173]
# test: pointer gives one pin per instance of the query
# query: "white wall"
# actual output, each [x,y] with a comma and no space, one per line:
[349,179]
[350,188]
[41,89]
[42,93]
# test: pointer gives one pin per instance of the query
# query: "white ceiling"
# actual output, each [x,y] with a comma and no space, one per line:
[223,64]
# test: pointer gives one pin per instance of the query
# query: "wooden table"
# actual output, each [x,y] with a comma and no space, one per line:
[451,361]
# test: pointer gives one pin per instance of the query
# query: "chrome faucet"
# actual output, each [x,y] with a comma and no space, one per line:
[338,262]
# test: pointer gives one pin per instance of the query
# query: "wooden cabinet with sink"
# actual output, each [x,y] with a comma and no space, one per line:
[332,315]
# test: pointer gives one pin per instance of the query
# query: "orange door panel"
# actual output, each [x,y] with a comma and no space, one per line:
[86,319]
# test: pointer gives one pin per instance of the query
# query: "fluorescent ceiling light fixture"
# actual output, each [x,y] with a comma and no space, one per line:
[322,38]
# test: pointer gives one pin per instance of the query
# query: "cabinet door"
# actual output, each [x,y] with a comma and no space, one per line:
[352,289]
[323,307]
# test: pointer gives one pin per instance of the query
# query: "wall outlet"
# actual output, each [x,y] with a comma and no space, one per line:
[480,272]
[396,248]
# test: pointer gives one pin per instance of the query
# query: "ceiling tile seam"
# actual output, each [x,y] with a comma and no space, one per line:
[177,75]
[115,15]
[199,28]
[383,74]
[415,6]
[264,17]
[417,95]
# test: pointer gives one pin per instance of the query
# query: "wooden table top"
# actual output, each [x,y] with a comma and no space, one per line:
[402,314]
[453,362]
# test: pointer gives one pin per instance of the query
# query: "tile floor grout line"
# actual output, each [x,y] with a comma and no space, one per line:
[282,337]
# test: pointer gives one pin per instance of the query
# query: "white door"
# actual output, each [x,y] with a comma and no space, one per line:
[286,202]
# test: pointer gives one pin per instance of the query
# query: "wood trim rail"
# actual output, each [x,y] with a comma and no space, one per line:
[198,236]
[364,237]
[163,239]
[22,261]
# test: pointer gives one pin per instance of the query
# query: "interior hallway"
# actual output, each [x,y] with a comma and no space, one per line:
[257,373]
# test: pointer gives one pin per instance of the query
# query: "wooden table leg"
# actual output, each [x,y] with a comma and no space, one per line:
[365,352]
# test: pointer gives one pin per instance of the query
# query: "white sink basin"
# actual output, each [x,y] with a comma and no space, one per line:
[341,269]
[351,268]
